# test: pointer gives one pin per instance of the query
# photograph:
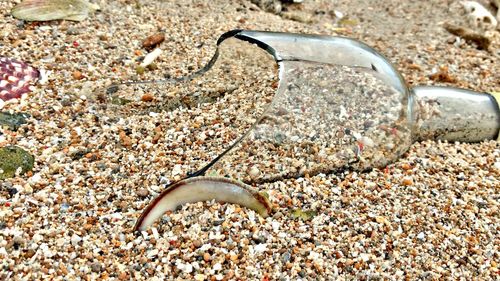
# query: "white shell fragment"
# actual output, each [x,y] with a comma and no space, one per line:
[338,14]
[149,58]
[203,189]
[44,76]
[479,15]
[46,10]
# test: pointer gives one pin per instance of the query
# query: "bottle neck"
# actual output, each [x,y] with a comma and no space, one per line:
[452,114]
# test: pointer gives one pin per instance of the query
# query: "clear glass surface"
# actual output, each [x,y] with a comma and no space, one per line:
[323,118]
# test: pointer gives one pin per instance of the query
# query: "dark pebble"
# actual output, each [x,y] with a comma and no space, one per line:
[96,267]
[259,239]
[218,222]
[73,31]
[12,191]
[286,257]
[112,89]
[13,120]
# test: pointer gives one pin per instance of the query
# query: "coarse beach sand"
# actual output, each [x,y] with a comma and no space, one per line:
[102,156]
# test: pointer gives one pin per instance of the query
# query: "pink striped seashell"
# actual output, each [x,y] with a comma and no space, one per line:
[16,78]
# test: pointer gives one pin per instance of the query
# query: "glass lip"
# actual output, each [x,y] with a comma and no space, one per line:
[266,40]
[358,54]
[366,55]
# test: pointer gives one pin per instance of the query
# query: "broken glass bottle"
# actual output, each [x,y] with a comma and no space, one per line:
[338,105]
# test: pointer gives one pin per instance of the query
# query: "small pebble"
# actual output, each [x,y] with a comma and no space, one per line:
[217,267]
[123,276]
[199,277]
[497,166]
[254,172]
[421,236]
[407,181]
[153,40]
[96,267]
[188,268]
[147,98]
[233,257]
[142,192]
[77,75]
[75,239]
[140,69]
[197,243]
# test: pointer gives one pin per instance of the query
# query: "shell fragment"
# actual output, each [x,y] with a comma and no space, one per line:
[16,78]
[203,189]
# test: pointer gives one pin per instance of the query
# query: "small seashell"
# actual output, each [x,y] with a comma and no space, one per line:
[16,78]
[149,58]
[45,10]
